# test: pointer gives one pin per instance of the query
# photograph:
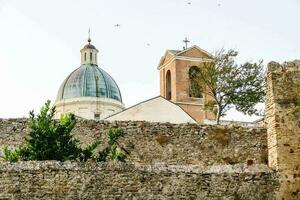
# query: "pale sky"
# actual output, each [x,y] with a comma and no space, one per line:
[40,41]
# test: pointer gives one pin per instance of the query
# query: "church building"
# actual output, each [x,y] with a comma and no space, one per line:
[181,99]
[89,92]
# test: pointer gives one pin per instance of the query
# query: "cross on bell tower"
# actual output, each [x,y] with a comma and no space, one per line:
[186,41]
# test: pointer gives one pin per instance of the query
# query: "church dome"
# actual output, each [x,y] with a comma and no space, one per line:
[89,81]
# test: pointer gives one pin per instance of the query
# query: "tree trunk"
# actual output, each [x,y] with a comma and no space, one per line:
[218,114]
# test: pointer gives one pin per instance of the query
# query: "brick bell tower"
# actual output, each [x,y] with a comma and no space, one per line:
[176,69]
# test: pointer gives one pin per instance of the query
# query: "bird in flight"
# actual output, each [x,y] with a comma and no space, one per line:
[190,3]
[219,4]
[117,25]
[148,44]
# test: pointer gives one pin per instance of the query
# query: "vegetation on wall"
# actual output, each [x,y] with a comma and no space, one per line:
[230,84]
[50,139]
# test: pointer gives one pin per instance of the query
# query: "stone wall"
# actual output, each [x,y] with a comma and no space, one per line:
[150,143]
[283,122]
[55,180]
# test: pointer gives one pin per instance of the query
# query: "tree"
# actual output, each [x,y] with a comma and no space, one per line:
[230,84]
[51,139]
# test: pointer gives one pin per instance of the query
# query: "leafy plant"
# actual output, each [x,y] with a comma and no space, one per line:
[113,149]
[87,153]
[11,155]
[103,154]
[50,139]
[116,154]
[114,134]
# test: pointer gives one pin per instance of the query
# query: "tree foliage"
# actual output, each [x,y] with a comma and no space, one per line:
[231,84]
[50,139]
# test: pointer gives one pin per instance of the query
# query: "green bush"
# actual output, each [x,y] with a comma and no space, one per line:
[116,154]
[87,153]
[113,149]
[11,155]
[50,139]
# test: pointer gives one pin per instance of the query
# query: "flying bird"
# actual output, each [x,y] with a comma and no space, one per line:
[190,3]
[148,44]
[117,25]
[219,4]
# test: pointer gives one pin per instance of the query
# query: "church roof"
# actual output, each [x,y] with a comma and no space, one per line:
[89,81]
[191,52]
[174,52]
[89,46]
[157,109]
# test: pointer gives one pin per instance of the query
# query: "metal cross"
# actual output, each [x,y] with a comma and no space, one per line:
[186,41]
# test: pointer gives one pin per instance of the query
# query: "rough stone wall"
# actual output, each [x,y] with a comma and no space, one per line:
[283,122]
[55,180]
[151,143]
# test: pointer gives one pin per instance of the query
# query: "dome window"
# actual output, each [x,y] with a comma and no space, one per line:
[97,116]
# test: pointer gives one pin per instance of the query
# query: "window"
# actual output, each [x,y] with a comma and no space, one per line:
[91,56]
[97,116]
[84,56]
[168,85]
[195,89]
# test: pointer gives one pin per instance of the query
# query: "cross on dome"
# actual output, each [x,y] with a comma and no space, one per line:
[89,39]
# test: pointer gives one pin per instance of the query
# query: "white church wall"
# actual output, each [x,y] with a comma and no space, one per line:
[89,107]
[157,109]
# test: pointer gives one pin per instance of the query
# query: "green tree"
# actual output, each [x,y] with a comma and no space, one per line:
[231,84]
[51,139]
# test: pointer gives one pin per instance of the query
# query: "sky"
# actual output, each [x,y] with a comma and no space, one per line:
[40,41]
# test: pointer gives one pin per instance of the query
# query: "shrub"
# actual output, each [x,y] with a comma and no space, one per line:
[87,153]
[113,149]
[116,154]
[50,139]
[11,155]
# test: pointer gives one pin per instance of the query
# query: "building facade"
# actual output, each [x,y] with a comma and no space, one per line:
[89,92]
[176,69]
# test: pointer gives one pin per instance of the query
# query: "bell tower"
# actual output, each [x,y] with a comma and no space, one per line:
[176,71]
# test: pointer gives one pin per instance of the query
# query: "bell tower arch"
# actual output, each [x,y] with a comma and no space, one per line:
[168,85]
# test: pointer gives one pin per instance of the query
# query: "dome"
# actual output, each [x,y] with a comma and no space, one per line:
[89,46]
[89,81]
